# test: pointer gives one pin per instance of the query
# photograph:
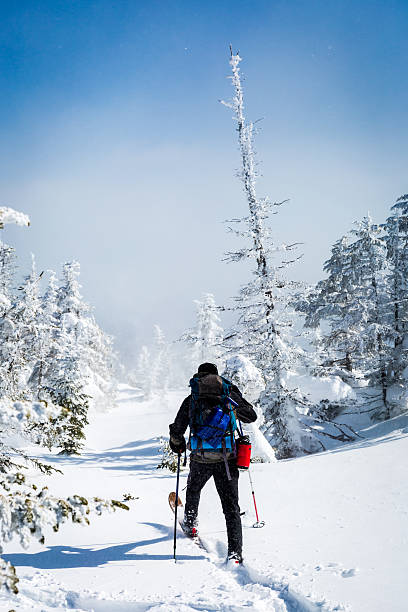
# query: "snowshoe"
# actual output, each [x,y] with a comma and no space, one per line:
[234,559]
[189,530]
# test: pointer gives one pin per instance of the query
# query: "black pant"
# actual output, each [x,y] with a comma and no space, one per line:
[199,474]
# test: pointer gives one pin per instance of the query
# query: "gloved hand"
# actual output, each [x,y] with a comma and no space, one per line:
[177,446]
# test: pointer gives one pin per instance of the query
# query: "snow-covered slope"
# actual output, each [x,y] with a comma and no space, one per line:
[335,536]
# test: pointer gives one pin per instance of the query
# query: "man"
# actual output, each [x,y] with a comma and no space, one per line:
[205,462]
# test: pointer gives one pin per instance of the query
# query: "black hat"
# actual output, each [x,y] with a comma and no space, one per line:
[209,368]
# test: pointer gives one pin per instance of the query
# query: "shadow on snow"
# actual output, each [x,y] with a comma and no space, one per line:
[139,455]
[68,557]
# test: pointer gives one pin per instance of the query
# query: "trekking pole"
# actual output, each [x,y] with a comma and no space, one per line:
[176,506]
[258,522]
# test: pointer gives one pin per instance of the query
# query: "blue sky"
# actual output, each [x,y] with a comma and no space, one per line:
[114,141]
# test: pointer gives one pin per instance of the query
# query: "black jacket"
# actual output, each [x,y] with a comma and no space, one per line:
[244,410]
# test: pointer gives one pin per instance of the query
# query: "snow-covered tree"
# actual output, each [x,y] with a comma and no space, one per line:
[26,316]
[396,228]
[141,376]
[9,215]
[7,270]
[371,305]
[331,301]
[102,364]
[261,331]
[154,368]
[205,340]
[352,306]
[11,360]
[46,347]
[95,352]
[159,362]
[26,510]
[248,378]
[68,393]
[70,300]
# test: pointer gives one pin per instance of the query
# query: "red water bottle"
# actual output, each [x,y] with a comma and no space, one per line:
[243,452]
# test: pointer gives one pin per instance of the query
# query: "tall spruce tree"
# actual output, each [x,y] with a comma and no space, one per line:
[70,372]
[263,323]
[331,301]
[396,237]
[371,306]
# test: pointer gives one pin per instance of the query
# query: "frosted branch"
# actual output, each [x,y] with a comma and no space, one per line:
[9,215]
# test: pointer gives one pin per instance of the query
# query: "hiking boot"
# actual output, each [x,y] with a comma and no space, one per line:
[235,557]
[189,529]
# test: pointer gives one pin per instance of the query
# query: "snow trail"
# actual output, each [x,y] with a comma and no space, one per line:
[98,568]
[302,560]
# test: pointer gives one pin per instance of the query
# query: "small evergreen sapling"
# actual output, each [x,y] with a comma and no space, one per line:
[168,459]
[67,391]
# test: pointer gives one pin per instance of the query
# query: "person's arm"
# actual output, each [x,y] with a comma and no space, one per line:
[178,428]
[245,411]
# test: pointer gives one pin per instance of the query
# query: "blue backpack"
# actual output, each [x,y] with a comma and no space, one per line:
[212,418]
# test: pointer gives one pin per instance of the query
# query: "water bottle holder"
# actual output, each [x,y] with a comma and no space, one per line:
[243,453]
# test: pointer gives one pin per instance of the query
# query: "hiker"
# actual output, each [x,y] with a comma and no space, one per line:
[209,390]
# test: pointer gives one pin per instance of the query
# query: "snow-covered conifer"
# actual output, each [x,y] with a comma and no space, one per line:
[26,316]
[142,376]
[7,268]
[26,511]
[70,300]
[261,331]
[205,340]
[67,391]
[159,361]
[9,215]
[331,301]
[94,347]
[102,363]
[396,228]
[209,331]
[11,362]
[241,371]
[26,326]
[371,306]
[352,306]
[46,348]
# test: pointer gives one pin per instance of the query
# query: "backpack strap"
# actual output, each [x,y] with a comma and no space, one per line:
[224,455]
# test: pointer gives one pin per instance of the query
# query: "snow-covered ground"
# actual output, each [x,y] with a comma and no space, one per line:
[335,536]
